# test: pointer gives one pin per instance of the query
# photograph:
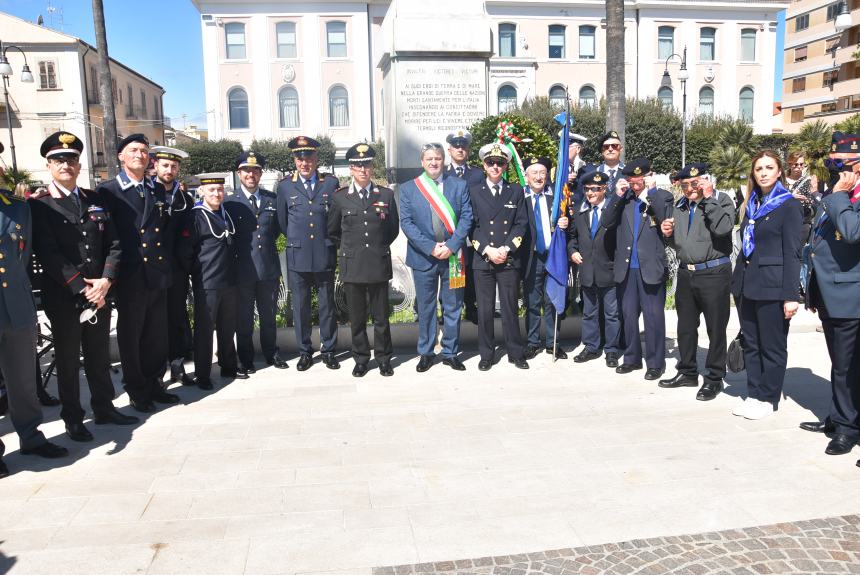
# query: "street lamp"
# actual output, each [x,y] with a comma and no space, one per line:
[666,82]
[843,19]
[26,76]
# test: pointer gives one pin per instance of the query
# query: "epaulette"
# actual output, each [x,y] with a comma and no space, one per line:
[44,193]
[341,189]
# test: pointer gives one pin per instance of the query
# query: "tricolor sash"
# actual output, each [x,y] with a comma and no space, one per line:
[442,208]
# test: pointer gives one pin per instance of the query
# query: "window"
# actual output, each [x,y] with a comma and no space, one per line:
[798,84]
[557,97]
[235,35]
[338,107]
[507,98]
[507,40]
[665,42]
[113,90]
[556,41]
[832,11]
[707,44]
[800,54]
[797,115]
[587,96]
[95,95]
[666,97]
[143,102]
[832,44]
[237,102]
[155,108]
[748,45]
[830,78]
[801,22]
[745,109]
[129,105]
[336,39]
[706,101]
[828,107]
[285,33]
[47,75]
[288,107]
[586,43]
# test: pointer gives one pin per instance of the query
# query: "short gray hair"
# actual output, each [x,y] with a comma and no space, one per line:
[432,147]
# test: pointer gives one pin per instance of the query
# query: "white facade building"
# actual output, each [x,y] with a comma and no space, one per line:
[281,68]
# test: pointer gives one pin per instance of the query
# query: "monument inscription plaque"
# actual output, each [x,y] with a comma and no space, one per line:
[436,98]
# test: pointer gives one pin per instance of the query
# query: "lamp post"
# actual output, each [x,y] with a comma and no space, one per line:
[666,82]
[843,19]
[26,76]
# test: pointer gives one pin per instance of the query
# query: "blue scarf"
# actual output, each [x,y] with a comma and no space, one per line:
[775,199]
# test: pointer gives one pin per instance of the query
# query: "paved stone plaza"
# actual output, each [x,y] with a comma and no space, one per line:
[549,470]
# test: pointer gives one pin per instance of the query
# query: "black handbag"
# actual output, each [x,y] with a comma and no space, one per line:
[735,354]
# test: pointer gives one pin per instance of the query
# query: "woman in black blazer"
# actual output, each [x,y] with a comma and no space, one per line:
[765,282]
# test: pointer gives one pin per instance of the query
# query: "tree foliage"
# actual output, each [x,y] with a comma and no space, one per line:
[731,166]
[542,112]
[538,142]
[326,151]
[208,156]
[850,125]
[813,141]
[277,154]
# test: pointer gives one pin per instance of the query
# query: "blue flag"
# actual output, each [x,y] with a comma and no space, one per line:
[562,164]
[557,270]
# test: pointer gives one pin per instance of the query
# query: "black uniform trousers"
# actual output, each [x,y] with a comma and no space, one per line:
[265,294]
[357,296]
[300,285]
[765,331]
[69,336]
[843,344]
[179,341]
[469,298]
[507,279]
[703,292]
[649,300]
[17,350]
[214,311]
[141,329]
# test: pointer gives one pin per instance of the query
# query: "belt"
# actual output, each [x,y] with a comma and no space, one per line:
[708,264]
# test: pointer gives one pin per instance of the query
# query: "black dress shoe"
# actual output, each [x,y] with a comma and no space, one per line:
[187,379]
[204,384]
[520,363]
[237,374]
[47,450]
[485,365]
[424,363]
[278,362]
[586,355]
[680,380]
[709,390]
[162,396]
[78,432]
[359,370]
[453,363]
[653,373]
[330,361]
[559,353]
[305,362]
[143,406]
[115,417]
[611,360]
[818,426]
[46,399]
[4,471]
[531,351]
[385,369]
[628,367]
[840,444]
[249,368]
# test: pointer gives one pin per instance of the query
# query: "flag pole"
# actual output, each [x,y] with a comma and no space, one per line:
[567,128]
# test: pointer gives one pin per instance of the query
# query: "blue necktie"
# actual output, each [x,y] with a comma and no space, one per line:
[540,244]
[594,221]
[692,216]
[637,215]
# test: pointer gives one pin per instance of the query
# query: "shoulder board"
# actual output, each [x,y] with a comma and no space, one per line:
[40,194]
[296,176]
[382,189]
[341,189]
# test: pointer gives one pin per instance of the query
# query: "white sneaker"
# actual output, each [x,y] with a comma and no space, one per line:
[741,408]
[758,409]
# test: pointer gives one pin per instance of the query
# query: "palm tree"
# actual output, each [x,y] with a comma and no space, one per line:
[731,165]
[739,134]
[105,88]
[813,141]
[615,119]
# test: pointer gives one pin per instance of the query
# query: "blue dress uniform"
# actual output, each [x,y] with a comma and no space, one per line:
[303,207]
[257,230]
[364,223]
[141,215]
[18,326]
[641,271]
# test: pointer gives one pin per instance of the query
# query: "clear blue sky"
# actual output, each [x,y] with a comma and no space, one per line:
[158,38]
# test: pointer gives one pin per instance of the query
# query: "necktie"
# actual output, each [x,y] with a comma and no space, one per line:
[254,205]
[612,180]
[495,190]
[459,171]
[77,201]
[364,196]
[309,187]
[692,216]
[637,216]
[540,243]
[595,218]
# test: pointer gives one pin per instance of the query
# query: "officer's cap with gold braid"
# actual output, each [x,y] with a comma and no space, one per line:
[845,143]
[251,159]
[594,178]
[610,135]
[360,153]
[494,150]
[165,153]
[207,179]
[637,168]
[303,146]
[459,139]
[693,170]
[61,144]
[530,161]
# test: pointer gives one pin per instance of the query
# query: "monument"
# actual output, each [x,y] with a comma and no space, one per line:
[435,70]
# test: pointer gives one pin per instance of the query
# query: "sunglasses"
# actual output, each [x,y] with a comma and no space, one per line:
[838,163]
[611,146]
[798,164]
[593,188]
[687,185]
[497,163]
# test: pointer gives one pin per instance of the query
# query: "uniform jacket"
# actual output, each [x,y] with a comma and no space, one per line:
[72,245]
[144,235]
[17,308]
[416,219]
[256,234]
[835,259]
[471,174]
[598,254]
[211,250]
[650,243]
[530,239]
[711,236]
[364,233]
[303,219]
[180,221]
[499,221]
[772,272]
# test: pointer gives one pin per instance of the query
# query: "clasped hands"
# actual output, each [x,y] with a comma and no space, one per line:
[96,291]
[441,251]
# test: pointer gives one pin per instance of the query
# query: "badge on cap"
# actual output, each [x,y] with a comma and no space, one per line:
[302,141]
[614,134]
[637,170]
[252,160]
[66,139]
[694,171]
[362,150]
[597,178]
